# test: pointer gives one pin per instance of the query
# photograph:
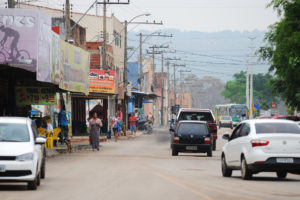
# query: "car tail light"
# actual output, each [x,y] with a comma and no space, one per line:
[176,140]
[259,143]
[207,140]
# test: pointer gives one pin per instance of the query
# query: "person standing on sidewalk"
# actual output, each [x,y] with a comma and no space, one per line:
[64,117]
[114,123]
[94,131]
[133,121]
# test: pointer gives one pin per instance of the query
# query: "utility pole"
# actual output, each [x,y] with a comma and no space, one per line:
[247,85]
[162,89]
[141,64]
[11,3]
[67,21]
[251,77]
[104,44]
[174,78]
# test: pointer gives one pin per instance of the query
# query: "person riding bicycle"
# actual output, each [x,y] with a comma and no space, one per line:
[9,32]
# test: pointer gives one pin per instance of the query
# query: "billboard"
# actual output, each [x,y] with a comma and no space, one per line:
[55,65]
[18,38]
[102,81]
[74,68]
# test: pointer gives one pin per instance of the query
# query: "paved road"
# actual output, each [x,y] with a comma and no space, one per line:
[143,168]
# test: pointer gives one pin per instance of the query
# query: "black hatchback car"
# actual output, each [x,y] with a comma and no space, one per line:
[191,137]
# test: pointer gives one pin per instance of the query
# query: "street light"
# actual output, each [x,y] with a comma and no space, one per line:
[125,61]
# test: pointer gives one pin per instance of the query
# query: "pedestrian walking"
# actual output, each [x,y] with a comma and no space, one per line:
[114,123]
[119,125]
[132,121]
[64,117]
[94,131]
[243,118]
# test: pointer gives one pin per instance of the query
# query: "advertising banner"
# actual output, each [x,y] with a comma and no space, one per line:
[74,68]
[18,38]
[44,48]
[55,59]
[102,81]
[35,96]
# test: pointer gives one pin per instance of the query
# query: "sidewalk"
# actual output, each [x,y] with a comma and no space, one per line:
[82,143]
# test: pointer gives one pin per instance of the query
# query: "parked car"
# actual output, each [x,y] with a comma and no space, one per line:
[22,152]
[200,115]
[226,121]
[193,137]
[265,145]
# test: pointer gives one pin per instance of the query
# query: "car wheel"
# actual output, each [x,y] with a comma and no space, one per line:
[32,185]
[231,127]
[43,169]
[209,153]
[219,126]
[226,172]
[245,171]
[281,175]
[174,152]
[214,145]
[38,180]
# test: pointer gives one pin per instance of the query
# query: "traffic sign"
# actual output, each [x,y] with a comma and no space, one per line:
[256,104]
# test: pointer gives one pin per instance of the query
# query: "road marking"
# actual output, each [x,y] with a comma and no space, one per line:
[188,186]
[202,195]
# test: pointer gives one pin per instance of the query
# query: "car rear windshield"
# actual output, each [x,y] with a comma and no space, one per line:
[199,116]
[11,132]
[265,128]
[192,128]
[225,118]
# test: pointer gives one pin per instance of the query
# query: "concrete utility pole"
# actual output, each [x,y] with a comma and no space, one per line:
[141,63]
[174,78]
[125,56]
[247,86]
[251,77]
[104,44]
[162,89]
[67,21]
[11,3]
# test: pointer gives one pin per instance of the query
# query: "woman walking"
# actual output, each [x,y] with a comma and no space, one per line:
[94,130]
[114,123]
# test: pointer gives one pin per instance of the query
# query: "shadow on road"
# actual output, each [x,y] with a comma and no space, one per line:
[12,187]
[269,179]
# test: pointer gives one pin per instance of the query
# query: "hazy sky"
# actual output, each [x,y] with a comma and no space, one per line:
[198,15]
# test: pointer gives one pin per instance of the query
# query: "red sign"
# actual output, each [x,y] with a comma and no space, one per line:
[273,105]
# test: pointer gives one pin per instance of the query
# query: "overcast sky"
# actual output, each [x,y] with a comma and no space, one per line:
[197,15]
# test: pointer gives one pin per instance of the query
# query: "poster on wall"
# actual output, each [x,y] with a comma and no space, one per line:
[44,68]
[102,81]
[35,96]
[74,68]
[18,38]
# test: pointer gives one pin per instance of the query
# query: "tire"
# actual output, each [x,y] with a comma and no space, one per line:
[43,169]
[209,153]
[174,152]
[231,127]
[32,185]
[214,146]
[226,172]
[245,171]
[281,175]
[220,126]
[38,180]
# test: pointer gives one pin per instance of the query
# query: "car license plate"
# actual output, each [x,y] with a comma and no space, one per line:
[2,168]
[193,148]
[284,160]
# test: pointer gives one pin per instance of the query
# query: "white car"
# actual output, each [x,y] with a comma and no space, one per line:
[22,157]
[265,145]
[225,121]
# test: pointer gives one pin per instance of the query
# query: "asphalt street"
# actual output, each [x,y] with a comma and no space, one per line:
[142,168]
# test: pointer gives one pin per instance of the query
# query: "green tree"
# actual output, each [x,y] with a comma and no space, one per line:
[283,51]
[235,90]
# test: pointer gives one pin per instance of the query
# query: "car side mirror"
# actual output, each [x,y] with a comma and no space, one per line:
[40,140]
[226,136]
[171,130]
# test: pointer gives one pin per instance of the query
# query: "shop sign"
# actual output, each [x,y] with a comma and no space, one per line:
[35,96]
[74,68]
[102,81]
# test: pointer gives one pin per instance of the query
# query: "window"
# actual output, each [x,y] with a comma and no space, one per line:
[245,130]
[11,132]
[280,128]
[192,128]
[200,116]
[235,133]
